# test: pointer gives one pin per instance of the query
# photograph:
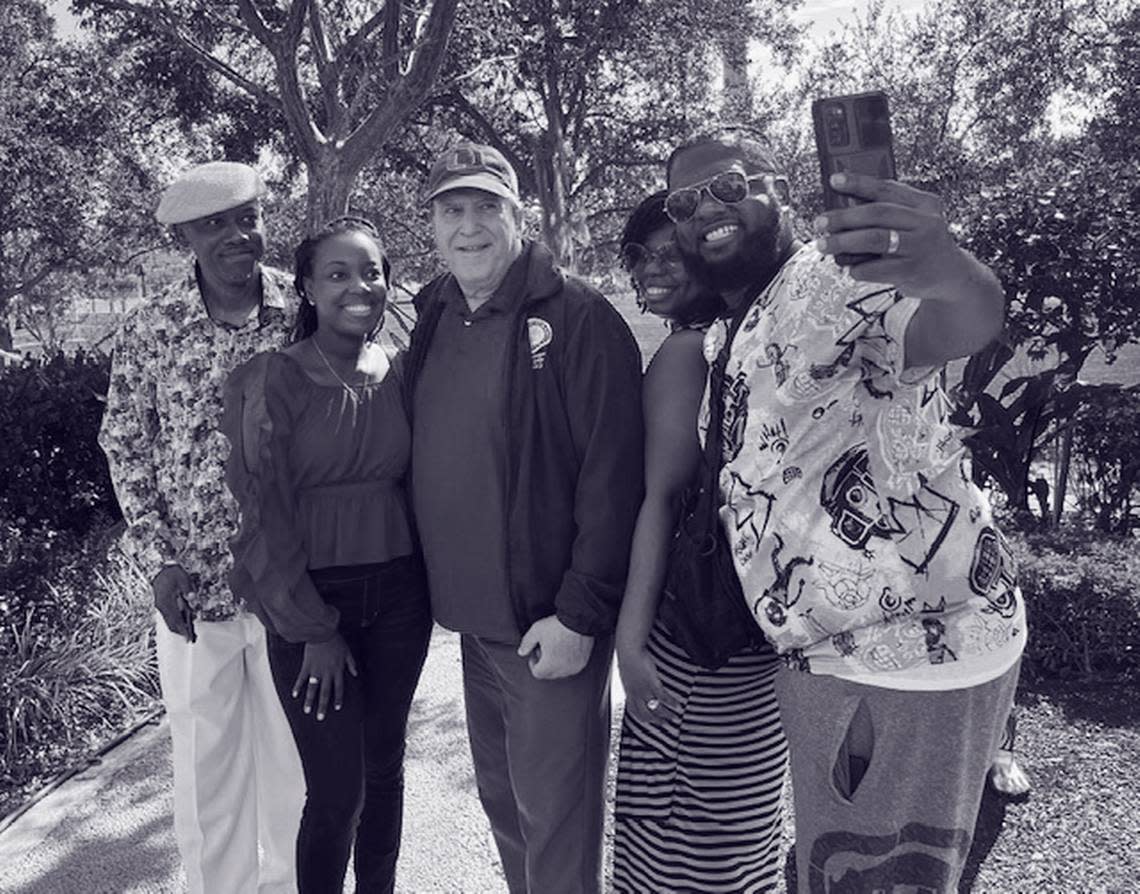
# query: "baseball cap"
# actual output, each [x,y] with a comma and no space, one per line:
[473,166]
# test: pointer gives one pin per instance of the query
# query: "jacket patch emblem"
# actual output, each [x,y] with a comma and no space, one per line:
[540,335]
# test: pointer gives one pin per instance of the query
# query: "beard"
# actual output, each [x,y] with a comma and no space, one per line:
[760,257]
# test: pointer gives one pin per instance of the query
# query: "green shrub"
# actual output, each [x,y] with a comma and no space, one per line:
[69,682]
[1084,606]
[49,570]
[55,475]
[56,498]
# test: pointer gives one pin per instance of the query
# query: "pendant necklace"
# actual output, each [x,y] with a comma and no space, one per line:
[349,389]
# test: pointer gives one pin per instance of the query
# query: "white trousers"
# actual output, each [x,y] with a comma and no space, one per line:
[237,776]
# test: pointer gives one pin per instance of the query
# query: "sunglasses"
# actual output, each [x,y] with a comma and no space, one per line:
[635,256]
[727,187]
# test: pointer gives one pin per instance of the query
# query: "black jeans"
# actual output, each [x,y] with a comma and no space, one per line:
[354,758]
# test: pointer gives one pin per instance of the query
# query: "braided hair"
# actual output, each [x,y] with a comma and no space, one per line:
[303,255]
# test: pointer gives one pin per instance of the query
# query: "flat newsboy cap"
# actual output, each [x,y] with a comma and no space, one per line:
[207,189]
[473,166]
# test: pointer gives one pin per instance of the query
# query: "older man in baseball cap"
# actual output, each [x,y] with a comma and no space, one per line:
[237,778]
[524,387]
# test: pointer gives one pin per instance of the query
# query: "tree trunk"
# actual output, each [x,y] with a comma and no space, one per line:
[737,86]
[5,305]
[1061,480]
[738,89]
[330,183]
[550,178]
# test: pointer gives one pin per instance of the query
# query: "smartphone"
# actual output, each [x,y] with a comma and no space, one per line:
[852,133]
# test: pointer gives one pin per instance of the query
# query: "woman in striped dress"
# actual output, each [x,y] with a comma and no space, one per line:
[702,757]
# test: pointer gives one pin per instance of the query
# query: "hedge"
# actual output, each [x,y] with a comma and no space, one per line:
[56,498]
[54,472]
[1081,593]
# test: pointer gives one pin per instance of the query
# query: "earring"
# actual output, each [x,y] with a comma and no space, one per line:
[638,297]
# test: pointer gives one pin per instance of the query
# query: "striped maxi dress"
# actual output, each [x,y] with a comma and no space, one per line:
[698,802]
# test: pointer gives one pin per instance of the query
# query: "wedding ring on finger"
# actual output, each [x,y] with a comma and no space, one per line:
[653,703]
[892,242]
[313,681]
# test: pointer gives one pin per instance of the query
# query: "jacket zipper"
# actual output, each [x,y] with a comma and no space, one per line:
[511,472]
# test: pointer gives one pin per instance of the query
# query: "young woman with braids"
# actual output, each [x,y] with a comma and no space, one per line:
[702,758]
[326,556]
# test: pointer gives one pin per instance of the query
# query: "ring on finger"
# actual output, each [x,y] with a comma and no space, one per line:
[653,703]
[313,681]
[892,242]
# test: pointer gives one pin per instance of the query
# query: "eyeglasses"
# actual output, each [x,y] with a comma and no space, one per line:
[635,256]
[727,187]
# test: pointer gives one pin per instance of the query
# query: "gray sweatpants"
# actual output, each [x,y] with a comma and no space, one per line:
[887,783]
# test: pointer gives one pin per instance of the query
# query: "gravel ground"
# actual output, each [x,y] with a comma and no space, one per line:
[1079,829]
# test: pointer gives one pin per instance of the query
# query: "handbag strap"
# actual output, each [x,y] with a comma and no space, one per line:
[713,457]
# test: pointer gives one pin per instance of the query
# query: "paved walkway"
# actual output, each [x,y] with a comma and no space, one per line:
[108,830]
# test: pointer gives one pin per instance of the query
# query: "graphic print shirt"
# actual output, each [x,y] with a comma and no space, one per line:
[161,432]
[864,548]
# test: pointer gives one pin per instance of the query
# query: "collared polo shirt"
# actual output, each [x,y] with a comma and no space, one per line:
[459,461]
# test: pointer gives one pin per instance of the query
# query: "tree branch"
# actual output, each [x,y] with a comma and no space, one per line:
[257,26]
[390,55]
[295,23]
[552,59]
[356,42]
[328,72]
[210,61]
[427,58]
[407,91]
[25,283]
[609,164]
[320,43]
[166,25]
[283,46]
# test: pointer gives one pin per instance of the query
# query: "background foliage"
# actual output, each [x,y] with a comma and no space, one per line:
[1084,608]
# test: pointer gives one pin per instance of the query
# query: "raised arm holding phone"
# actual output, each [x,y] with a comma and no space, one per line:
[866,554]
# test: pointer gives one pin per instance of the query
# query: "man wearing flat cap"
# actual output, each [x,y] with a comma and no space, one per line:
[237,777]
[524,386]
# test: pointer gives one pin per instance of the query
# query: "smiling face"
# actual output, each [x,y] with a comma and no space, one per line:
[731,246]
[228,245]
[661,277]
[477,235]
[347,284]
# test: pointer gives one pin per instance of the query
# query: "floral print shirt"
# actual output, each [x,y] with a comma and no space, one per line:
[161,431]
[864,548]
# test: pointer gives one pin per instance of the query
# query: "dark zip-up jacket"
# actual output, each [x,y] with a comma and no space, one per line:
[575,435]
